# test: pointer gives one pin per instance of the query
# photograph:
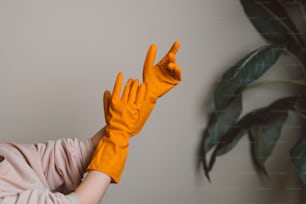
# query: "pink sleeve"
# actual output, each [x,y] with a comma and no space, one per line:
[64,162]
[42,197]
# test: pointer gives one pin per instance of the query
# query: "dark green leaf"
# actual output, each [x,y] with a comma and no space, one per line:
[222,120]
[263,124]
[234,134]
[296,11]
[265,134]
[229,140]
[219,123]
[243,73]
[272,21]
[226,143]
[298,157]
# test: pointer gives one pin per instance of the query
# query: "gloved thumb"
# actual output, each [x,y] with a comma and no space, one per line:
[149,62]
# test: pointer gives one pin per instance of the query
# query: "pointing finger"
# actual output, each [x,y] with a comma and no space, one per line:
[175,47]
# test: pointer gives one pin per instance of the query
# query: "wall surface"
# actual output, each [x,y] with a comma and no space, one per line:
[57,58]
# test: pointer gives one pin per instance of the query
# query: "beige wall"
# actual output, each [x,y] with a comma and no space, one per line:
[57,57]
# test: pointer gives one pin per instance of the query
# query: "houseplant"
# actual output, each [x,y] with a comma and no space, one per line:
[282,23]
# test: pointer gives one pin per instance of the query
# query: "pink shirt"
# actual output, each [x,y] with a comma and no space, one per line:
[43,173]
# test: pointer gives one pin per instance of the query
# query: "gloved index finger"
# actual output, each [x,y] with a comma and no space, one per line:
[175,47]
[117,86]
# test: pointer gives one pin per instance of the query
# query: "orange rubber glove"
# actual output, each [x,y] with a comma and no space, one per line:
[158,78]
[121,115]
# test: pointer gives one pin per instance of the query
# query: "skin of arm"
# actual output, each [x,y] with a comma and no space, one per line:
[93,187]
[95,184]
[98,136]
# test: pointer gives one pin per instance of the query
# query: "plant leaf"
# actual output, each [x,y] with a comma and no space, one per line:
[231,138]
[243,73]
[272,21]
[222,120]
[219,123]
[298,158]
[267,130]
[296,11]
[264,125]
[228,141]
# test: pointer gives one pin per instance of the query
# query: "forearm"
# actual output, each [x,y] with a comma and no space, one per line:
[95,184]
[93,187]
[39,195]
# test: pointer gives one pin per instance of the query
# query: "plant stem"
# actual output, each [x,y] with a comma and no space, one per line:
[292,82]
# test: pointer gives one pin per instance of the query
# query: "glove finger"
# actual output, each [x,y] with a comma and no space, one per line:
[117,86]
[133,92]
[174,71]
[175,47]
[141,92]
[177,73]
[127,90]
[171,58]
[149,62]
[171,67]
[106,102]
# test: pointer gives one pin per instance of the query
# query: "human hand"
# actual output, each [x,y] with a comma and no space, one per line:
[159,79]
[122,112]
[164,75]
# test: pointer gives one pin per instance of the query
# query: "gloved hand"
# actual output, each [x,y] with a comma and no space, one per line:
[163,76]
[121,115]
[158,78]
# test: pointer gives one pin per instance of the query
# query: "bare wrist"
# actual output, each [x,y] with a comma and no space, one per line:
[98,136]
